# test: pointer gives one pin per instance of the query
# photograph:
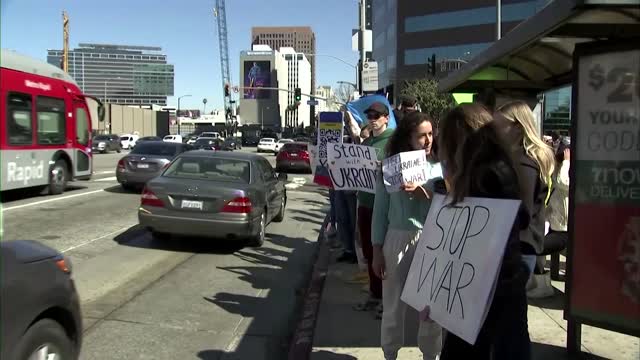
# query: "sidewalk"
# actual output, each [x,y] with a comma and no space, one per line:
[344,334]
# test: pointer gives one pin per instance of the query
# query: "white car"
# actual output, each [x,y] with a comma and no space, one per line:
[267,145]
[128,141]
[281,143]
[173,138]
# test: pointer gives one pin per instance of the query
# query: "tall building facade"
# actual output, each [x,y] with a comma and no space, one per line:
[120,74]
[407,33]
[325,92]
[294,71]
[300,38]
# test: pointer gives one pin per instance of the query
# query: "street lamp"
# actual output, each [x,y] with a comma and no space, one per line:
[178,110]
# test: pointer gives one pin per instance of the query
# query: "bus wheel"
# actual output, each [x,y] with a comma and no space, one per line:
[58,178]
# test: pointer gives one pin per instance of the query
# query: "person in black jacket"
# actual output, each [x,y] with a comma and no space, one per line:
[477,164]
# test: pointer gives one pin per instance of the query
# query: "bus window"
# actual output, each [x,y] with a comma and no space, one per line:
[82,126]
[51,122]
[20,130]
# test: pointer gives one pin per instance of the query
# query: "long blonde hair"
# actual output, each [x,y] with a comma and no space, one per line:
[520,113]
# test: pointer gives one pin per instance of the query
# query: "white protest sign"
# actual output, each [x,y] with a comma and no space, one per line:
[457,260]
[408,167]
[352,167]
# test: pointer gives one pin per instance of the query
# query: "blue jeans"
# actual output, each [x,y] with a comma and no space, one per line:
[345,207]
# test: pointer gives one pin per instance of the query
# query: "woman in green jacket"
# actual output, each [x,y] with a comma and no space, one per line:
[397,223]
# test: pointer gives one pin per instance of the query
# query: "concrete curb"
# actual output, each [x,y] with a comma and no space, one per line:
[302,341]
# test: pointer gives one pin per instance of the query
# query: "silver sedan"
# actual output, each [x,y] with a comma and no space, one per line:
[146,161]
[214,194]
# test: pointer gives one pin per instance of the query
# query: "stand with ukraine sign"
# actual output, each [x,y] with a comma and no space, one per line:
[603,256]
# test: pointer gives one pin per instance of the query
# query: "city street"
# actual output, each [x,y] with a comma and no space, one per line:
[183,299]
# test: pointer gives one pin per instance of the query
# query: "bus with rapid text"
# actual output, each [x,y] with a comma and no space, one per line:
[45,125]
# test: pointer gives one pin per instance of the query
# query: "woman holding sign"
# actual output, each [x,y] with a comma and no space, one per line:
[397,223]
[479,165]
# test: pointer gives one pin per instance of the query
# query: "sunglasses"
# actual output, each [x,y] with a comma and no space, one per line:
[373,116]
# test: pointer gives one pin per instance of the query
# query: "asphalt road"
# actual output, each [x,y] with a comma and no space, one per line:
[186,299]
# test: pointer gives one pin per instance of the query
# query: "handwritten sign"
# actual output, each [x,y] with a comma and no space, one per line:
[408,167]
[352,167]
[329,131]
[456,263]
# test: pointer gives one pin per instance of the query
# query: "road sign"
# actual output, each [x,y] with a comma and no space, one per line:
[370,76]
[312,102]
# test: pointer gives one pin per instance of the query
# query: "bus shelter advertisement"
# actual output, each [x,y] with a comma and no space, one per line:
[605,257]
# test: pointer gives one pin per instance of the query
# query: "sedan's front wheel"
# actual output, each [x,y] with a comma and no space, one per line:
[46,339]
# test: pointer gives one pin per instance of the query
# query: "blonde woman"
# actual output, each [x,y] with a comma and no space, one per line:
[536,163]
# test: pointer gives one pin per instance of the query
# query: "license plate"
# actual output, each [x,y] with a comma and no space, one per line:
[190,204]
[143,166]
[294,155]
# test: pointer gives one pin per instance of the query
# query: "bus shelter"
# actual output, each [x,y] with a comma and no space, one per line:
[594,46]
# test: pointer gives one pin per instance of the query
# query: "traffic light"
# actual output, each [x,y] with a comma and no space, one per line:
[298,94]
[227,93]
[431,65]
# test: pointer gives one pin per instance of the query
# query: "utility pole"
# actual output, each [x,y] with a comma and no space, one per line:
[363,52]
[498,19]
[65,42]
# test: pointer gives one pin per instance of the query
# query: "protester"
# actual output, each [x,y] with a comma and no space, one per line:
[557,214]
[477,164]
[535,160]
[397,223]
[345,205]
[408,105]
[378,118]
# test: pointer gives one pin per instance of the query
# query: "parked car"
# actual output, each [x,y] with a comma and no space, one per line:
[128,141]
[191,139]
[267,145]
[214,194]
[250,140]
[231,144]
[293,156]
[106,143]
[173,138]
[146,161]
[210,134]
[280,143]
[40,308]
[208,144]
[149,138]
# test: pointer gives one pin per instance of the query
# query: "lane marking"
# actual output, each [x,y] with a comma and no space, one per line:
[4,209]
[112,178]
[98,238]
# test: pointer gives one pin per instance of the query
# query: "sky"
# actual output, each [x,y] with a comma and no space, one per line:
[187,32]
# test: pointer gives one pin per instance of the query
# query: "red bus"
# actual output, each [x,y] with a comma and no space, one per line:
[45,125]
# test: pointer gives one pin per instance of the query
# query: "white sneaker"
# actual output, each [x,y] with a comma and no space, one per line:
[540,286]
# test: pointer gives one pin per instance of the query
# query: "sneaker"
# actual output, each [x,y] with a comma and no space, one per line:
[368,304]
[348,258]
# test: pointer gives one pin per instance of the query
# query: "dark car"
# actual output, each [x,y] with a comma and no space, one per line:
[214,194]
[250,140]
[231,144]
[41,316]
[146,161]
[293,156]
[106,143]
[208,143]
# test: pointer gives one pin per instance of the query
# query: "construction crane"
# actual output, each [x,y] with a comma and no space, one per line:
[220,13]
[65,42]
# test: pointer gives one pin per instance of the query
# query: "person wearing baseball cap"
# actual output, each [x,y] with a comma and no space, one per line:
[379,134]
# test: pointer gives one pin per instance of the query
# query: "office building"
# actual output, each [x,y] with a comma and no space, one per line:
[293,71]
[301,39]
[120,74]
[325,92]
[271,109]
[407,33]
[258,106]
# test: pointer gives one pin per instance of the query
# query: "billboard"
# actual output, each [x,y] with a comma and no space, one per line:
[257,74]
